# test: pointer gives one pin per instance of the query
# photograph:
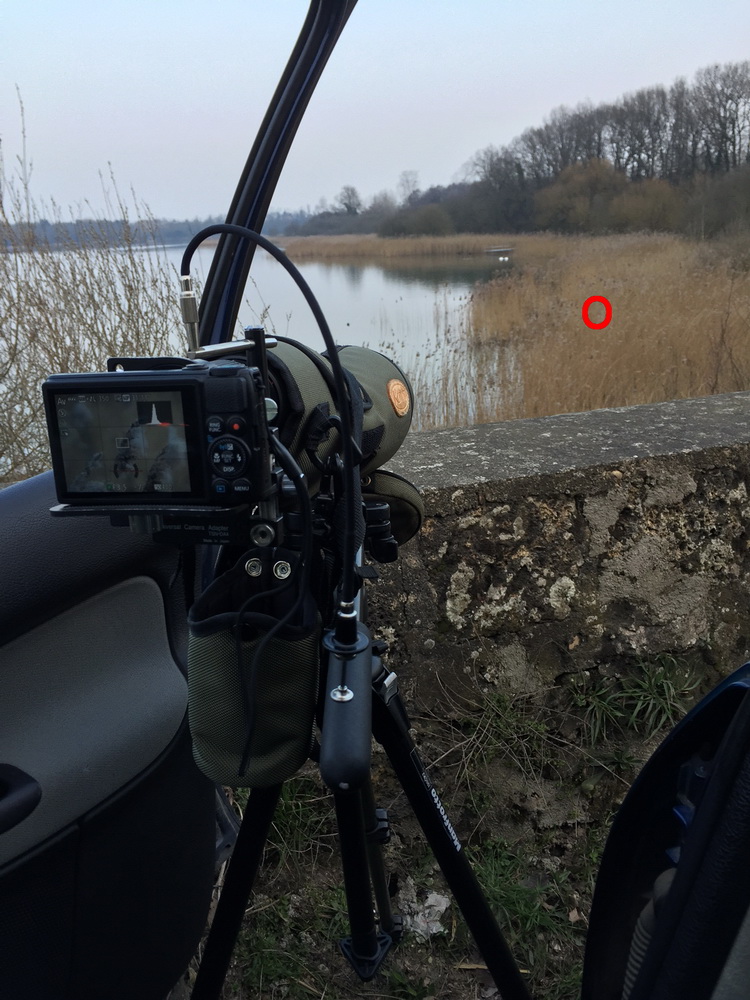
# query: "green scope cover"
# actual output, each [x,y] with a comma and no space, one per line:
[306,385]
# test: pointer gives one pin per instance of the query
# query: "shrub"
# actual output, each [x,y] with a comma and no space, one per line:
[71,295]
[426,220]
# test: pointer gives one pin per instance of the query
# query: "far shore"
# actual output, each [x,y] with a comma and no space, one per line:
[373,247]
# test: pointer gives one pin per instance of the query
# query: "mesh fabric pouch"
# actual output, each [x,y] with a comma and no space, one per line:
[252,675]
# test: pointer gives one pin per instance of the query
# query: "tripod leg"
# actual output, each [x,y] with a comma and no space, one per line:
[377,834]
[391,729]
[230,910]
[366,948]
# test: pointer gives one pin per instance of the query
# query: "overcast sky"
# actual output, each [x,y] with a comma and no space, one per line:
[171,93]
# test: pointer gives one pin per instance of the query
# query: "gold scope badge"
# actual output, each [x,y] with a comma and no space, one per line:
[399,396]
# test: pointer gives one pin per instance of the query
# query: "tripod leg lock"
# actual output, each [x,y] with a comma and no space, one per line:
[397,928]
[380,832]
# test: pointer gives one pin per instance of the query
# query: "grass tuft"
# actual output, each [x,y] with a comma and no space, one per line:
[648,700]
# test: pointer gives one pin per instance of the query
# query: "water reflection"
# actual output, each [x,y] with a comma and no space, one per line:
[462,272]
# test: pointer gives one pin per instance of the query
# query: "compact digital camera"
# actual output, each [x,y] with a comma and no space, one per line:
[192,436]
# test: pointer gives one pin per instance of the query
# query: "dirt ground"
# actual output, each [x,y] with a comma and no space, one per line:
[531,804]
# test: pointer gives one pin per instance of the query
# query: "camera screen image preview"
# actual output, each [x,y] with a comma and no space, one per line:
[123,442]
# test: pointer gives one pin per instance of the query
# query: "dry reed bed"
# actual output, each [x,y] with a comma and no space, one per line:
[680,324]
[371,247]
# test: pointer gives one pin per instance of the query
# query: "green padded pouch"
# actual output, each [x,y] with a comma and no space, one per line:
[253,674]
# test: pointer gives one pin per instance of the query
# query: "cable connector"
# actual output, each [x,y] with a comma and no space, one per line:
[189,310]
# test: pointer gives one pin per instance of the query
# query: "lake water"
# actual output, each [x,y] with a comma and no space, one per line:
[416,314]
[368,304]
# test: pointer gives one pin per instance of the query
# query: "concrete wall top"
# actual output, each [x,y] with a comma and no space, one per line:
[518,449]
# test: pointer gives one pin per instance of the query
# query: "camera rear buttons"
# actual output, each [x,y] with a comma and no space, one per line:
[228,456]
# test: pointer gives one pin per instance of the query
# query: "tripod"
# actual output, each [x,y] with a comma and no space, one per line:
[362,831]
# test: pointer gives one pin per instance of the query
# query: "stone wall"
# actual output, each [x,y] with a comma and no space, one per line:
[581,542]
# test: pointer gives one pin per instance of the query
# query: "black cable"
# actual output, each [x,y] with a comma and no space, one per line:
[349,548]
[230,266]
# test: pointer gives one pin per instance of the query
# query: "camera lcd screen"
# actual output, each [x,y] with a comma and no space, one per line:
[121,443]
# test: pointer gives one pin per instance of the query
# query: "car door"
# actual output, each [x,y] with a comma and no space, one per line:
[107,828]
[108,831]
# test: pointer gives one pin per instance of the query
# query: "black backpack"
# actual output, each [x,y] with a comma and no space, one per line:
[671,911]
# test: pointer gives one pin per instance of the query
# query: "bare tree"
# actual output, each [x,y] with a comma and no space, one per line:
[349,201]
[383,203]
[510,189]
[408,187]
[681,159]
[722,102]
[639,132]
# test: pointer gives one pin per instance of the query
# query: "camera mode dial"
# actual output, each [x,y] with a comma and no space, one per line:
[228,456]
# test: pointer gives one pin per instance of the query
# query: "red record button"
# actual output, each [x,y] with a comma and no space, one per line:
[236,425]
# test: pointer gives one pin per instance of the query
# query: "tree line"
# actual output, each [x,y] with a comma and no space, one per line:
[671,158]
[104,232]
[100,232]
